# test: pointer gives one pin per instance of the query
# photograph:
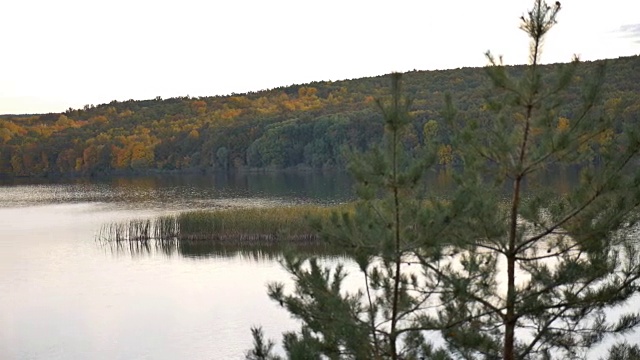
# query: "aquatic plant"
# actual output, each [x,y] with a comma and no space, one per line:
[246,226]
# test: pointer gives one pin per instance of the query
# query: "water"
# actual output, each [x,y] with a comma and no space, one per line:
[65,296]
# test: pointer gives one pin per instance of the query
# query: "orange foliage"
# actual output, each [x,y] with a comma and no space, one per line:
[98,119]
[199,106]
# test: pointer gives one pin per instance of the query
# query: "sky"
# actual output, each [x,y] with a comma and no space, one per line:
[62,54]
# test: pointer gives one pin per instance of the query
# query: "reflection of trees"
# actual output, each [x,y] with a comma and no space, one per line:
[146,183]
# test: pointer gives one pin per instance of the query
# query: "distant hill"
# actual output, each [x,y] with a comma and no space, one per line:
[296,126]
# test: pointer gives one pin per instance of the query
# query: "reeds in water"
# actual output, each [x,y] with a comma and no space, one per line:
[166,228]
[236,227]
[134,230]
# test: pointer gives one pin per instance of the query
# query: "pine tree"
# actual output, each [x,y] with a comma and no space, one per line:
[526,275]
[387,225]
[540,269]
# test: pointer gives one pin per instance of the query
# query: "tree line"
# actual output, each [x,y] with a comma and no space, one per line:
[310,125]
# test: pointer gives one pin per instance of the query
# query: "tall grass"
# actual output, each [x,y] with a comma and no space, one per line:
[236,227]
[165,228]
[134,230]
[253,225]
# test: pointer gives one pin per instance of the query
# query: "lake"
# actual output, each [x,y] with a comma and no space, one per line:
[65,295]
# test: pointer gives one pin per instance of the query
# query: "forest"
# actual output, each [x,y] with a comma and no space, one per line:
[306,126]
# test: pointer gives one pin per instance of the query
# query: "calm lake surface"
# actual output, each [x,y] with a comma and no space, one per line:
[63,295]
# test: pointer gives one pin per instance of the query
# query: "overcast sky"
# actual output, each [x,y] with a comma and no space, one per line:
[69,53]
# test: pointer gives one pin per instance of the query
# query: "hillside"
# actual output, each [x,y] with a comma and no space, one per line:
[295,126]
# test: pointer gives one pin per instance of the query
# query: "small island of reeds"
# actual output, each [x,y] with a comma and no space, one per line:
[290,226]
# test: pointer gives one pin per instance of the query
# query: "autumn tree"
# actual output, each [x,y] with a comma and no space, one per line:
[530,274]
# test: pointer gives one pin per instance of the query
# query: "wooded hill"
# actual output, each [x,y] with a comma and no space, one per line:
[296,126]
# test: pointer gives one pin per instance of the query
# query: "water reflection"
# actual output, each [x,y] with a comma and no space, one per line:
[212,250]
[224,190]
[185,191]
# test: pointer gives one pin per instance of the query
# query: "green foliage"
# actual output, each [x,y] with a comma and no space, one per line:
[261,350]
[624,351]
[315,143]
[522,276]
[222,158]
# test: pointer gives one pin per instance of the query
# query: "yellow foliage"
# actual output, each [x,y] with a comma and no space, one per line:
[43,130]
[311,91]
[13,128]
[240,101]
[265,106]
[289,105]
[584,144]
[563,124]
[282,97]
[125,113]
[16,163]
[64,122]
[103,138]
[5,135]
[445,154]
[121,159]
[228,114]
[606,137]
[430,129]
[78,164]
